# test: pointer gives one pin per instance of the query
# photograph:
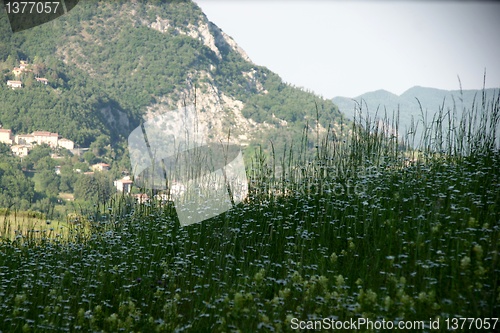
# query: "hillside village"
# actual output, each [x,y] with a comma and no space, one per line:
[24,67]
[22,144]
[50,90]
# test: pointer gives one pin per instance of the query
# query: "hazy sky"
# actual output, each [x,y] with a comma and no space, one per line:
[346,48]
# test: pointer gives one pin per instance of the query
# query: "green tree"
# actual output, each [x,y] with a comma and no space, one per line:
[82,166]
[11,62]
[68,178]
[5,151]
[98,147]
[90,157]
[48,182]
[95,188]
[13,184]
[36,154]
[45,163]
[38,67]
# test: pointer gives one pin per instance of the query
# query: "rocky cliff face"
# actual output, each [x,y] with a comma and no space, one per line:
[204,30]
[218,111]
[134,60]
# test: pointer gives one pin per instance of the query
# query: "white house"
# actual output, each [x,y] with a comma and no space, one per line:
[65,143]
[14,84]
[49,138]
[141,198]
[100,167]
[123,185]
[6,136]
[177,189]
[17,71]
[24,139]
[20,150]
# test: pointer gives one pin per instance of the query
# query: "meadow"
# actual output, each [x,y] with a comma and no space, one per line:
[14,224]
[366,227]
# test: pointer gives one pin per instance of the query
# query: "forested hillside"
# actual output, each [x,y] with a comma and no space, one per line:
[109,63]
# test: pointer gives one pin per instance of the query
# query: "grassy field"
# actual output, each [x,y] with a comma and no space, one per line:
[366,229]
[31,225]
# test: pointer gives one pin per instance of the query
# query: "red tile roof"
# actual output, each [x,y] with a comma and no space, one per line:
[44,133]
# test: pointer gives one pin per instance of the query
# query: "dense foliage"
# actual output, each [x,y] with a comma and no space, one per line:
[31,183]
[105,66]
[100,55]
[16,190]
[362,230]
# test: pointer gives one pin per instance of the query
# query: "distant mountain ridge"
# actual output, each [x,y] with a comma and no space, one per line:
[431,99]
[415,103]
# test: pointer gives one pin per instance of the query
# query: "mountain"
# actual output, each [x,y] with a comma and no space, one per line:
[417,104]
[111,65]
